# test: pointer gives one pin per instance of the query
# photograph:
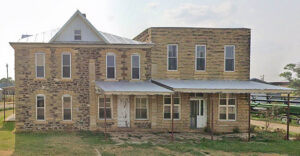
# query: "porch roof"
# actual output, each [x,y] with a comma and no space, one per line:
[130,88]
[220,86]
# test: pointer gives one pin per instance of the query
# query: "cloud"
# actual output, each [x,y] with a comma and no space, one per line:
[218,15]
[152,5]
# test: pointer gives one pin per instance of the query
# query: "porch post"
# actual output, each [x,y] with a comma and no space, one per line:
[212,118]
[105,116]
[249,117]
[4,94]
[288,119]
[14,102]
[172,114]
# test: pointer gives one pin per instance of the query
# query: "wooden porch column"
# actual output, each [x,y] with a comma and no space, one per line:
[249,117]
[105,116]
[288,119]
[4,94]
[172,114]
[212,118]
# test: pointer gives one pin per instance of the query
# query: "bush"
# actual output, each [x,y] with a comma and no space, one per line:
[236,130]
[207,129]
[297,137]
[252,128]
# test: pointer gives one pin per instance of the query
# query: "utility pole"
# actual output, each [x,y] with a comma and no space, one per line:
[4,92]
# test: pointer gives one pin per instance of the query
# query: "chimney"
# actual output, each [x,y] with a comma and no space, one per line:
[84,15]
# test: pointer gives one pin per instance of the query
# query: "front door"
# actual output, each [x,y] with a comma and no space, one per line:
[123,111]
[198,113]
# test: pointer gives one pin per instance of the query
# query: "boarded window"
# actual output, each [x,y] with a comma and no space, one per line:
[110,66]
[227,107]
[172,56]
[66,65]
[141,108]
[168,107]
[106,107]
[229,58]
[67,107]
[135,65]
[40,65]
[200,57]
[40,107]
[77,34]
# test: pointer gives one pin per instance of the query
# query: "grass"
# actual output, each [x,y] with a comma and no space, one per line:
[86,143]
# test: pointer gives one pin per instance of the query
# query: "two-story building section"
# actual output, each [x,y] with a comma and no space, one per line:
[165,79]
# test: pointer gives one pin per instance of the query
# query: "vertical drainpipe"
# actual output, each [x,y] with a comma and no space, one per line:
[249,117]
[212,118]
[104,116]
[288,119]
[172,114]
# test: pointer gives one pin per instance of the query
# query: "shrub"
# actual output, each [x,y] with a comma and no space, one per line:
[297,137]
[236,130]
[207,129]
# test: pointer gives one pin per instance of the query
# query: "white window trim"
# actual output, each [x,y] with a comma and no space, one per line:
[115,66]
[200,57]
[168,56]
[146,105]
[225,58]
[139,66]
[36,116]
[67,95]
[111,107]
[227,99]
[43,64]
[62,65]
[179,109]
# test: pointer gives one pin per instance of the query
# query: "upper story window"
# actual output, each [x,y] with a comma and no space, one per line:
[229,57]
[66,65]
[200,57]
[168,107]
[172,56]
[40,107]
[110,66]
[135,66]
[77,35]
[227,107]
[67,107]
[40,65]
[107,107]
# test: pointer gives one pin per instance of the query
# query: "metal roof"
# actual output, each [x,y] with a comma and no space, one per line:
[45,37]
[130,87]
[219,86]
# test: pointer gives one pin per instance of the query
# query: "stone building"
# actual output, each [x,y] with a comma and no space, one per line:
[79,78]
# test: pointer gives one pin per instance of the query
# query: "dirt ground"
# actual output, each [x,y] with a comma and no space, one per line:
[275,126]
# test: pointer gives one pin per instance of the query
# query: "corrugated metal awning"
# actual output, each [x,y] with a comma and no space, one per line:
[130,88]
[220,86]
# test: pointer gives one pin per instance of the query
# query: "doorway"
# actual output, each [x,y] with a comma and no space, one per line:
[198,113]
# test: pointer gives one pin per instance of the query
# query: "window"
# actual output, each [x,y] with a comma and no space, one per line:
[168,107]
[67,107]
[40,107]
[77,34]
[141,108]
[110,66]
[135,65]
[101,107]
[227,107]
[229,58]
[40,65]
[172,56]
[200,57]
[66,65]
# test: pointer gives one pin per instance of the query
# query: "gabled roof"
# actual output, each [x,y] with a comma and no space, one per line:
[79,14]
[50,36]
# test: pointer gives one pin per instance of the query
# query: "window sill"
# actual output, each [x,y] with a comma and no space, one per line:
[200,71]
[67,122]
[226,120]
[66,79]
[40,122]
[40,79]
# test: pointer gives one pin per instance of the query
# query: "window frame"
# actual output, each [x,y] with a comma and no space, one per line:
[227,106]
[63,112]
[147,106]
[111,107]
[115,66]
[132,66]
[233,58]
[62,65]
[199,45]
[36,107]
[172,57]
[77,34]
[170,105]
[36,59]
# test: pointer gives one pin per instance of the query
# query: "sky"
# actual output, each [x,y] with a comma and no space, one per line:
[274,24]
